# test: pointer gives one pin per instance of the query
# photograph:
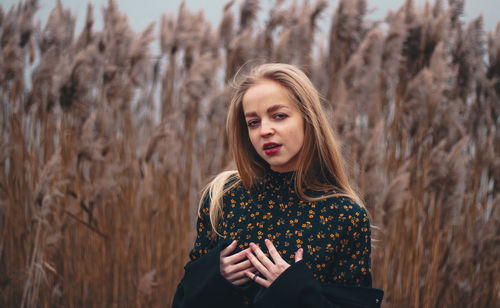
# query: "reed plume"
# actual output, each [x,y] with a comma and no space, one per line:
[105,145]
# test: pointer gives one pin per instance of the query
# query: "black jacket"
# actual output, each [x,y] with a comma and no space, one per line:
[204,286]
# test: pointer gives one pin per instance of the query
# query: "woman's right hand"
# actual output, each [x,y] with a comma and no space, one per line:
[232,267]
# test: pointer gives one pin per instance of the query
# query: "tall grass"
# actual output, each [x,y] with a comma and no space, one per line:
[105,144]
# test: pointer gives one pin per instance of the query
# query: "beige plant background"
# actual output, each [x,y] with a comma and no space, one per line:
[106,144]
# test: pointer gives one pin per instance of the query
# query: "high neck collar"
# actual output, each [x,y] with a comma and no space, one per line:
[280,174]
[279,178]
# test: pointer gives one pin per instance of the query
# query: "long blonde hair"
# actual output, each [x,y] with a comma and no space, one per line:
[320,165]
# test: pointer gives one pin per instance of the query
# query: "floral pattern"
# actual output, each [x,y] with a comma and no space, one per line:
[334,232]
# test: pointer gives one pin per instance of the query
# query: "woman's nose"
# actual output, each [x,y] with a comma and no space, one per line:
[266,129]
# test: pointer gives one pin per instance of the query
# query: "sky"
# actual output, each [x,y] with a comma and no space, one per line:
[142,12]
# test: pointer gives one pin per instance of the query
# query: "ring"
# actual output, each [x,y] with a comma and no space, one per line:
[254,277]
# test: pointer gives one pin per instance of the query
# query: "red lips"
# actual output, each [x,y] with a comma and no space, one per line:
[271,148]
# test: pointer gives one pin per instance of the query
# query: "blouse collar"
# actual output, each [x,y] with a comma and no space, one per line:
[278,179]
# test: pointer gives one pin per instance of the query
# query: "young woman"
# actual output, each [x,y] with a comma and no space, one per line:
[286,229]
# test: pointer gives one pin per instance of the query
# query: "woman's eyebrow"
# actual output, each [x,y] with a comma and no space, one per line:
[250,114]
[269,110]
[275,107]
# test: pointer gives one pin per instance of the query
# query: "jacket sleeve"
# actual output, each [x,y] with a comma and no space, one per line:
[297,287]
[202,284]
[351,278]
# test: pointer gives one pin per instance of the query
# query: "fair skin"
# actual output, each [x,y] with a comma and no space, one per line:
[233,267]
[275,124]
[269,269]
[252,264]
[276,131]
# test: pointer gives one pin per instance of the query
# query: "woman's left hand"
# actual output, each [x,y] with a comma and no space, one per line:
[269,269]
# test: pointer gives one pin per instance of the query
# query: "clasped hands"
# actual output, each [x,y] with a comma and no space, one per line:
[246,265]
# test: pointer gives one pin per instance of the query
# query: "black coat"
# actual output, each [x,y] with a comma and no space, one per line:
[204,286]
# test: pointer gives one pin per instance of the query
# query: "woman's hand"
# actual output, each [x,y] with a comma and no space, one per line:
[233,271]
[269,269]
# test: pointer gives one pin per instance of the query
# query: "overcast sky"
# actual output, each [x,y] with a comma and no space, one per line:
[142,12]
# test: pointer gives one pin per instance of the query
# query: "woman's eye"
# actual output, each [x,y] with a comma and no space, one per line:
[252,123]
[280,116]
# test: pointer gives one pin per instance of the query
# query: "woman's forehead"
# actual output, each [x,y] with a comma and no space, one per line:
[268,95]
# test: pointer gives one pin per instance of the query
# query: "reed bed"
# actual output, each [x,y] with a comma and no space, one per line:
[106,144]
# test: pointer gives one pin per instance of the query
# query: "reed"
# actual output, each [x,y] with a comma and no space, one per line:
[105,145]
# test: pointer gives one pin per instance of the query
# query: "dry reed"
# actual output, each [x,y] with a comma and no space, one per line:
[105,146]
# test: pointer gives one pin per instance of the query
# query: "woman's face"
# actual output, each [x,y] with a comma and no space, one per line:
[275,124]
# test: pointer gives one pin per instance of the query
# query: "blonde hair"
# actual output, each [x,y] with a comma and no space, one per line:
[320,165]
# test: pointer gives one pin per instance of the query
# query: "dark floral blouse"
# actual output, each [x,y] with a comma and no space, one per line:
[334,232]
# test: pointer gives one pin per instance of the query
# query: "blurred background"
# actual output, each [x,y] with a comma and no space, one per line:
[113,115]
[141,13]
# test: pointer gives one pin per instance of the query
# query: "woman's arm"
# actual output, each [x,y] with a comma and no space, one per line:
[296,286]
[353,261]
[203,284]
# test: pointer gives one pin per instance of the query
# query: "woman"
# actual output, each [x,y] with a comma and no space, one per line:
[286,229]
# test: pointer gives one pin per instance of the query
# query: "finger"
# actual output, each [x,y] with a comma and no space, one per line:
[240,266]
[299,254]
[238,275]
[259,280]
[227,251]
[232,273]
[237,257]
[272,251]
[241,281]
[262,257]
[235,276]
[258,265]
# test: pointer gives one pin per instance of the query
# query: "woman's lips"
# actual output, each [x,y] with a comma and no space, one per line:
[271,148]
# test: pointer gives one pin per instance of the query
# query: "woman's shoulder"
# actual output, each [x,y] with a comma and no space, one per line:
[223,183]
[340,202]
[349,215]
[218,185]
[223,180]
[227,175]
